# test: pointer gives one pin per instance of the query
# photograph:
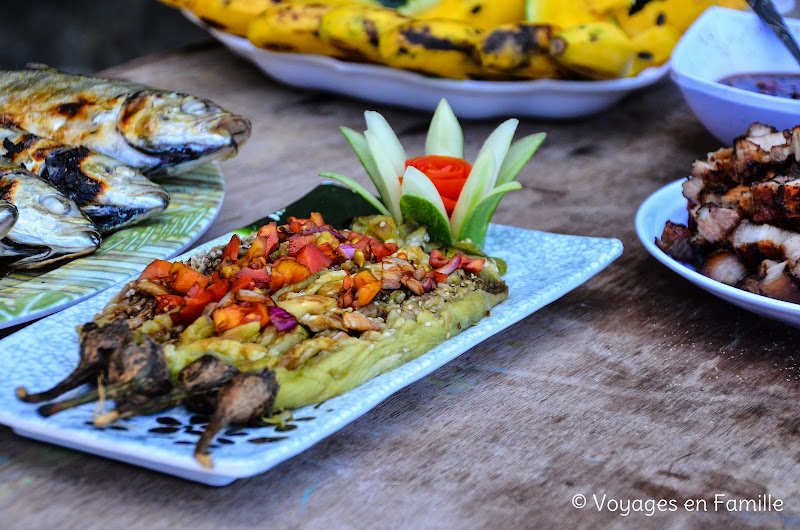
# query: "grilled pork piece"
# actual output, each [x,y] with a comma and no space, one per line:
[743,204]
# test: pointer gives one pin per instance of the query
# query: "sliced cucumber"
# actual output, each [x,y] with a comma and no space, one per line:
[477,222]
[445,137]
[359,144]
[518,155]
[361,190]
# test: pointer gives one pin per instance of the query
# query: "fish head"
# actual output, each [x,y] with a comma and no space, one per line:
[180,128]
[8,216]
[50,227]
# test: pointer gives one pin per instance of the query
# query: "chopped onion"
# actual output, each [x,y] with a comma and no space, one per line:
[452,265]
[282,319]
[347,250]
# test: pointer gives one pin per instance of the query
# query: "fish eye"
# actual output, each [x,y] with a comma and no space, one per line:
[55,204]
[193,106]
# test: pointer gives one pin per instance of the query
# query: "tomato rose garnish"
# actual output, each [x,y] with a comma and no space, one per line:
[447,173]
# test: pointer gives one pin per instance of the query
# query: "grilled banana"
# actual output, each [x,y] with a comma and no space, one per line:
[676,13]
[559,13]
[484,14]
[518,51]
[293,27]
[447,48]
[356,29]
[598,50]
[653,47]
[231,16]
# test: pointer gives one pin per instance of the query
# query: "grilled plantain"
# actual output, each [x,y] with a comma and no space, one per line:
[446,48]
[598,50]
[518,51]
[653,47]
[357,29]
[231,16]
[293,27]
[483,14]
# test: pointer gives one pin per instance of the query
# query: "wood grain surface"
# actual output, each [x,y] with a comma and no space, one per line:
[636,385]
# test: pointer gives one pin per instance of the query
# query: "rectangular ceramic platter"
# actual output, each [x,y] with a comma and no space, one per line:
[541,268]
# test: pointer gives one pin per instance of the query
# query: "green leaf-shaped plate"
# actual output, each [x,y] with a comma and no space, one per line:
[195,198]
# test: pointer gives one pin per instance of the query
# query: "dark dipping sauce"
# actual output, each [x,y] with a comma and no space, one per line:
[778,85]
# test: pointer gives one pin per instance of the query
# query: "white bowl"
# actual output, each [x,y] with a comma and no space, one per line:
[723,42]
[669,204]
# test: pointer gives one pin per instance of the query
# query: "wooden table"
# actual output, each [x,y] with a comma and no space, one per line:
[636,385]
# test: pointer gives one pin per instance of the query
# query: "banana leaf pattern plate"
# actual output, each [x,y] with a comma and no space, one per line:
[195,198]
[542,267]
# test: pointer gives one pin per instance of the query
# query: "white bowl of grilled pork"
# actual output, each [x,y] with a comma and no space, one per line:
[724,42]
[733,227]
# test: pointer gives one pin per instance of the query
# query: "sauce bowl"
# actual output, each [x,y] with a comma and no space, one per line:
[724,42]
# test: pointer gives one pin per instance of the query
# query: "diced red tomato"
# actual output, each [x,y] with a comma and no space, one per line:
[231,252]
[234,315]
[366,286]
[287,271]
[473,265]
[329,251]
[381,250]
[313,258]
[168,302]
[242,282]
[437,259]
[297,242]
[316,218]
[182,277]
[158,269]
[258,275]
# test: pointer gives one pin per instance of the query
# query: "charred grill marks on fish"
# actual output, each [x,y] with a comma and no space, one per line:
[110,193]
[157,131]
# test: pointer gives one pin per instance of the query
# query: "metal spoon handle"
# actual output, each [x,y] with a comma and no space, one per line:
[765,9]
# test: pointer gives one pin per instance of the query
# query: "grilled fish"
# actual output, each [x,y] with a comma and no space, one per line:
[50,227]
[157,131]
[110,193]
[8,216]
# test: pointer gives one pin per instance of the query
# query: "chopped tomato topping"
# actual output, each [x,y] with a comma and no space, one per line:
[182,277]
[258,275]
[297,242]
[287,271]
[242,282]
[313,258]
[367,286]
[231,252]
[381,250]
[234,315]
[168,302]
[157,270]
